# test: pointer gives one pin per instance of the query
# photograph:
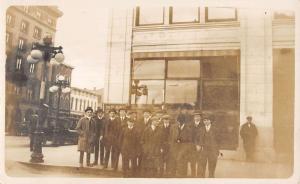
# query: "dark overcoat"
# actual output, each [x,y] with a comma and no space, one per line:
[129,140]
[248,134]
[87,134]
[112,131]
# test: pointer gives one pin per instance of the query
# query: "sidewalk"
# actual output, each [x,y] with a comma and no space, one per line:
[67,157]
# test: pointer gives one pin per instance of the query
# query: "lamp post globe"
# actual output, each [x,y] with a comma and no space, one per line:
[36,54]
[66,90]
[30,60]
[59,57]
[61,78]
[54,62]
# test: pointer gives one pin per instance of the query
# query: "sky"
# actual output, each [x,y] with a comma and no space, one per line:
[82,32]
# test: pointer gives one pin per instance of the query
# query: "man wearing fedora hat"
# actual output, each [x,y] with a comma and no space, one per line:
[86,129]
[208,145]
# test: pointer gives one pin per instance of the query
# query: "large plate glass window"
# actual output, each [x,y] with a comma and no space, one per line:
[181,91]
[149,69]
[183,69]
[147,92]
[215,14]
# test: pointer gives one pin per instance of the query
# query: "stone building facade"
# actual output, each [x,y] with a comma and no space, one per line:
[231,62]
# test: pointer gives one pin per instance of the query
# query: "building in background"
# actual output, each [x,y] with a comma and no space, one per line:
[229,62]
[83,98]
[24,26]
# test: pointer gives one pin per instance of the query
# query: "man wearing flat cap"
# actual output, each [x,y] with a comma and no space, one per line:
[111,132]
[195,157]
[208,146]
[86,129]
[248,133]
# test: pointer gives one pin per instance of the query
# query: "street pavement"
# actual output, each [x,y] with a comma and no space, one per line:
[65,161]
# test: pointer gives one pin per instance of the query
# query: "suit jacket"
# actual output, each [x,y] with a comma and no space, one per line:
[87,134]
[209,140]
[195,129]
[129,139]
[151,142]
[112,131]
[142,125]
[100,125]
[165,137]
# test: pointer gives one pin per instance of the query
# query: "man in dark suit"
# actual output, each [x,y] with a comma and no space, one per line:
[166,158]
[111,132]
[141,125]
[100,124]
[195,156]
[248,133]
[152,149]
[208,145]
[129,140]
[122,116]
[184,145]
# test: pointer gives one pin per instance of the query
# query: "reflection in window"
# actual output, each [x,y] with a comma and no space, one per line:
[184,14]
[181,91]
[154,94]
[220,67]
[183,68]
[220,14]
[149,69]
[149,15]
[222,95]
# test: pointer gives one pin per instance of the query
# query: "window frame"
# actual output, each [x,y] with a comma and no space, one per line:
[37,32]
[183,22]
[11,21]
[19,62]
[26,28]
[137,18]
[207,20]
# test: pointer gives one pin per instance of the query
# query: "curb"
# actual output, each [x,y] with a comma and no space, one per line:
[71,169]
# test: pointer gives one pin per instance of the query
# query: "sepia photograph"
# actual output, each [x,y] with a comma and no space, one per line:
[168,92]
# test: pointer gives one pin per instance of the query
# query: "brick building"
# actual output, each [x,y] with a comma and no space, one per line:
[24,26]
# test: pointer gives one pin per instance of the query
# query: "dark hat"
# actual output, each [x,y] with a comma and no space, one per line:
[155,118]
[99,109]
[249,117]
[166,116]
[88,109]
[131,120]
[147,110]
[112,110]
[197,113]
[181,118]
[123,108]
[208,116]
[132,112]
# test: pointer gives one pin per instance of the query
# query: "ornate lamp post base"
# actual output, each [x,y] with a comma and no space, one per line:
[37,155]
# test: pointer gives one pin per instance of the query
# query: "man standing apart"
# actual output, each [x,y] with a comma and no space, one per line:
[248,133]
[100,123]
[86,129]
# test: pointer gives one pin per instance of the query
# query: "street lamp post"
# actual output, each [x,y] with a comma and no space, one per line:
[61,86]
[42,53]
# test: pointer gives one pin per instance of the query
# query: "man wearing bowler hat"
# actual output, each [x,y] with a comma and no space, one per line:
[208,146]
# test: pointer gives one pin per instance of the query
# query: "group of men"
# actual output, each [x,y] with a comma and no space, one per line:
[152,146]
